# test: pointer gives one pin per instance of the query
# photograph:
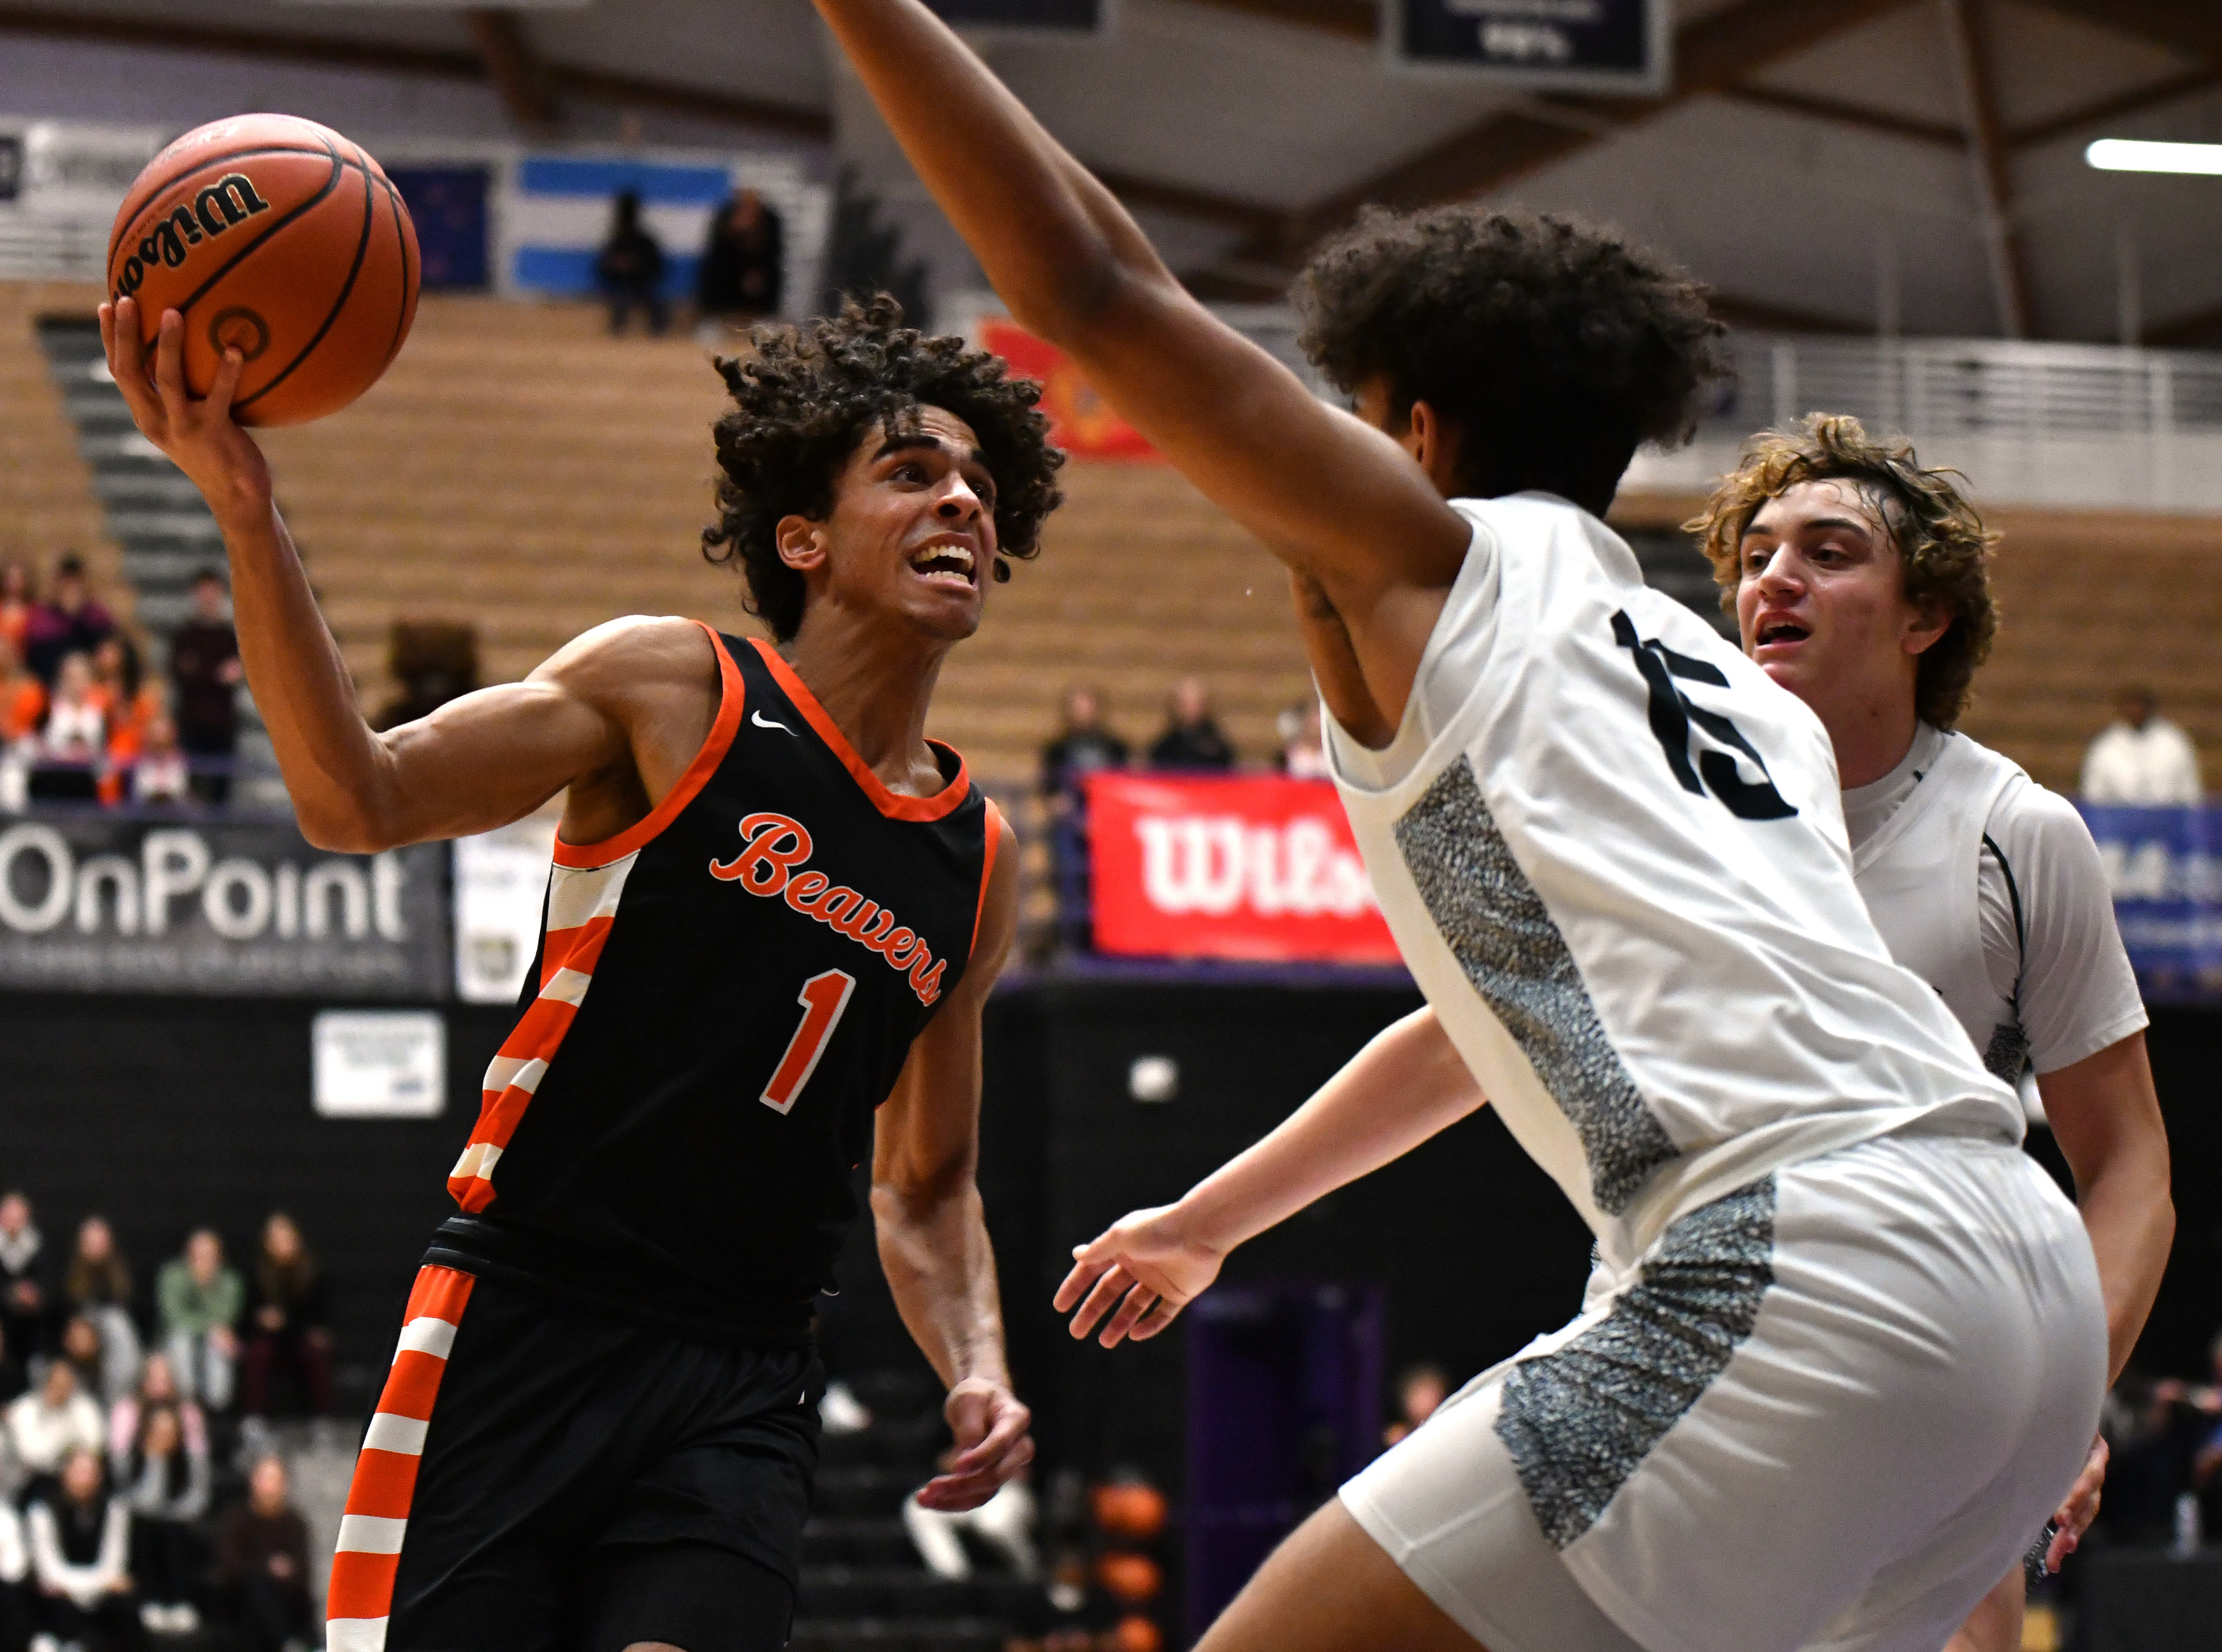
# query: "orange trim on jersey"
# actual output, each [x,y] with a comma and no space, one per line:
[360,1596]
[697,775]
[894,805]
[987,868]
[579,949]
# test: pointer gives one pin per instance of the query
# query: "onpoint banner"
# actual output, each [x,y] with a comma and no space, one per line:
[99,904]
[1253,867]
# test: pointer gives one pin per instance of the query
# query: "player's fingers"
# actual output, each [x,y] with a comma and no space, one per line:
[1163,1315]
[170,363]
[226,385]
[1010,1426]
[969,1488]
[1075,1286]
[1108,1289]
[1138,1301]
[127,361]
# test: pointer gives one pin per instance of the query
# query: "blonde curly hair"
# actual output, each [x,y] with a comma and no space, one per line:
[1942,542]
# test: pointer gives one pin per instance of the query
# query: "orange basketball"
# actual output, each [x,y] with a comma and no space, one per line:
[278,237]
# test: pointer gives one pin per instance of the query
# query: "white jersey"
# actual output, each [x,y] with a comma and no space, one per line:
[1613,855]
[1989,888]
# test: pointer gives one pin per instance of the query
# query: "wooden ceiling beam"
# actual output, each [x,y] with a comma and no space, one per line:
[1967,41]
[2115,108]
[499,37]
[1859,116]
[2192,26]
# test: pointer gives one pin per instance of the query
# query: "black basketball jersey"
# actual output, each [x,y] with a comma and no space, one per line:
[726,992]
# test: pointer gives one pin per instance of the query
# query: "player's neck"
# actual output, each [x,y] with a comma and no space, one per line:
[876,686]
[1871,735]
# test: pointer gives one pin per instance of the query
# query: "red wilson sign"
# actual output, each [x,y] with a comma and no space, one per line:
[1252,867]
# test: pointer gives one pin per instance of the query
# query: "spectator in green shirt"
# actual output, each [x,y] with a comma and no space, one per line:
[200,1299]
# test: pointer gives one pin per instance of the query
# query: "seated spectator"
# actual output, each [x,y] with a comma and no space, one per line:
[629,269]
[286,1333]
[1083,745]
[743,263]
[1191,739]
[74,740]
[199,1299]
[157,1390]
[16,602]
[22,696]
[80,1542]
[68,622]
[2141,757]
[79,1347]
[204,677]
[159,773]
[52,1421]
[262,1560]
[97,1285]
[166,1486]
[1303,742]
[26,1287]
[14,1581]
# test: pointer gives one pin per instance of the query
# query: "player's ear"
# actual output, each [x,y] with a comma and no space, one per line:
[801,541]
[1434,440]
[1932,616]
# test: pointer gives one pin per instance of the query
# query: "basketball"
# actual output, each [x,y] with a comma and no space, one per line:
[280,238]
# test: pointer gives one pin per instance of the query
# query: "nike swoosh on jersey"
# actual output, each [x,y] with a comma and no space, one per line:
[762,721]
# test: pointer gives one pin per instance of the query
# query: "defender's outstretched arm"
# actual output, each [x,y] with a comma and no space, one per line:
[1406,1084]
[1334,499]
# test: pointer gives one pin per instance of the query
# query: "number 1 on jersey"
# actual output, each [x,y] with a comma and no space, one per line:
[822,998]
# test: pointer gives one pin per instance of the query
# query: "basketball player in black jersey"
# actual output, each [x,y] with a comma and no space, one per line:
[775,908]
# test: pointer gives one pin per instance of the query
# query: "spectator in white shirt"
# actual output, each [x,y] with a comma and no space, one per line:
[53,1420]
[81,1559]
[2141,757]
[14,1574]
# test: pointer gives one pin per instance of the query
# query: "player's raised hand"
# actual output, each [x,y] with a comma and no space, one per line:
[197,433]
[1149,1264]
[990,1425]
[2079,1508]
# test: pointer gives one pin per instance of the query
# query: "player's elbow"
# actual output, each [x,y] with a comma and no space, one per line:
[1097,294]
[344,826]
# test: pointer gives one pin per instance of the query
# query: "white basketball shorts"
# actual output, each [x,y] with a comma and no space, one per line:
[1828,1410]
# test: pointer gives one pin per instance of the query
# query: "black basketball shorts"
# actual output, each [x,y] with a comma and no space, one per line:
[540,1478]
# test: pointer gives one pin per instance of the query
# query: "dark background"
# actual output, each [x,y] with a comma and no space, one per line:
[168,1114]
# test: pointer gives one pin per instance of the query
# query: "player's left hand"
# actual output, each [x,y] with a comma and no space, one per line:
[992,1445]
[2079,1508]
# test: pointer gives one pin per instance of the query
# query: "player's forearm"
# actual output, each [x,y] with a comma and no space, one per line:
[1053,241]
[333,764]
[1405,1086]
[933,1247]
[2130,1217]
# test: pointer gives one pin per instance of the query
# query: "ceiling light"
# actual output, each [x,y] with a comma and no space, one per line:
[2133,154]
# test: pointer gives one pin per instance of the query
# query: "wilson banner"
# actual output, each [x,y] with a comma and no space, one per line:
[1253,867]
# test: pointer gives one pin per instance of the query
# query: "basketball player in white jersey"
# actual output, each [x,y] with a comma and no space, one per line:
[1860,582]
[1856,1347]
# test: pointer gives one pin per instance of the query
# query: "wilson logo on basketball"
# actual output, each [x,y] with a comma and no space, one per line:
[774,848]
[229,201]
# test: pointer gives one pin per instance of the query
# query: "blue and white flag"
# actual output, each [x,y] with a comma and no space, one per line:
[2164,867]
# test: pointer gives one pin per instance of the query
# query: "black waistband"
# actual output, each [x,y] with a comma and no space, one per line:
[544,1266]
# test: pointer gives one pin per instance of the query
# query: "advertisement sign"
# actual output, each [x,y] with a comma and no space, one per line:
[1081,422]
[1249,867]
[107,904]
[2164,867]
[1032,17]
[379,1064]
[1608,46]
[501,885]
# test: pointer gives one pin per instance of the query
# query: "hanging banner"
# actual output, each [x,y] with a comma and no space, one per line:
[1250,867]
[1592,46]
[2164,867]
[1081,422]
[97,903]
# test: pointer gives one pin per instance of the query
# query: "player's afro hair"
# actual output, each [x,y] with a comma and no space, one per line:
[1554,346]
[1942,543]
[803,399]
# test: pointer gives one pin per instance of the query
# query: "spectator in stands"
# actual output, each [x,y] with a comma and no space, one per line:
[22,696]
[80,1542]
[743,267]
[1082,746]
[1303,742]
[97,1285]
[160,774]
[1420,1393]
[629,269]
[14,1581]
[157,1390]
[287,1332]
[27,1296]
[2140,757]
[199,1297]
[166,1486]
[262,1560]
[204,677]
[53,1420]
[16,602]
[68,622]
[79,1347]
[1191,739]
[74,740]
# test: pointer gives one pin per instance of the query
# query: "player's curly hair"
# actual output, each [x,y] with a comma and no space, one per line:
[1942,542]
[1555,346]
[804,397]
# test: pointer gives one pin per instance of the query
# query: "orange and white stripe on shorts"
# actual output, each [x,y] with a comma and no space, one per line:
[361,1593]
[582,902]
